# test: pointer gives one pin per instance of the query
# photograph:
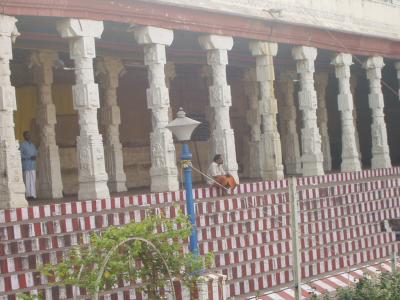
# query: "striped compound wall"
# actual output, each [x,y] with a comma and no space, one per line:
[249,231]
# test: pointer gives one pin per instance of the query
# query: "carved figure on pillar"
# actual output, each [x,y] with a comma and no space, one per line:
[170,74]
[321,83]
[350,159]
[251,90]
[12,189]
[353,87]
[49,180]
[108,70]
[380,147]
[91,166]
[288,126]
[270,152]
[311,158]
[163,172]
[217,48]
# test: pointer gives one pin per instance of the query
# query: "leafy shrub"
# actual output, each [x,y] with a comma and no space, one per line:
[150,253]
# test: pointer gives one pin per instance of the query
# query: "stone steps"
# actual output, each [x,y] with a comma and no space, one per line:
[248,231]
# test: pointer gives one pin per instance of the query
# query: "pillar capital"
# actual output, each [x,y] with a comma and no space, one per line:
[216,42]
[43,57]
[74,28]
[258,48]
[42,63]
[304,53]
[374,62]
[82,34]
[109,69]
[8,34]
[342,59]
[153,35]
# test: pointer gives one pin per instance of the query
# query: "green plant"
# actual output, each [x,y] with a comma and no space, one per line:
[136,252]
[385,287]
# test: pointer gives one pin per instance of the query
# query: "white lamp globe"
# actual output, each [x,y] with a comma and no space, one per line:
[182,127]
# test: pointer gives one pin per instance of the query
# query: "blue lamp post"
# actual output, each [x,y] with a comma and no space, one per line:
[182,127]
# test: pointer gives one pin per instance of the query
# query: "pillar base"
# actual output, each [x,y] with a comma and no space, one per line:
[293,168]
[312,166]
[14,200]
[93,190]
[117,186]
[350,165]
[163,181]
[49,193]
[272,175]
[380,161]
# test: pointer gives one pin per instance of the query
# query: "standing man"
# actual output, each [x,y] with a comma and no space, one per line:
[28,156]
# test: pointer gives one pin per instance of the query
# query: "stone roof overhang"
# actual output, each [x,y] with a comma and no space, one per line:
[180,18]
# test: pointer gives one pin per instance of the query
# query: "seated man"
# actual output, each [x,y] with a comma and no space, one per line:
[217,172]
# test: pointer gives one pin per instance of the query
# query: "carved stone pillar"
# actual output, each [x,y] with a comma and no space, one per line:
[380,147]
[108,70]
[92,174]
[220,99]
[12,189]
[170,74]
[397,66]
[321,83]
[287,121]
[163,172]
[251,90]
[353,87]
[350,159]
[312,158]
[49,171]
[270,142]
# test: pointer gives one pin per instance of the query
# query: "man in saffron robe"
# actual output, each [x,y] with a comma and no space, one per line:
[28,156]
[217,173]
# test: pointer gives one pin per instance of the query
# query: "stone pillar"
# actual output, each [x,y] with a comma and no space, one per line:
[312,158]
[397,66]
[220,99]
[270,142]
[288,126]
[350,159]
[321,83]
[353,87]
[12,189]
[49,171]
[109,70]
[92,174]
[170,74]
[380,147]
[206,74]
[163,172]
[251,90]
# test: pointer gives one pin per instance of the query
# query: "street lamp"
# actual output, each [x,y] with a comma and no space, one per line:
[182,127]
